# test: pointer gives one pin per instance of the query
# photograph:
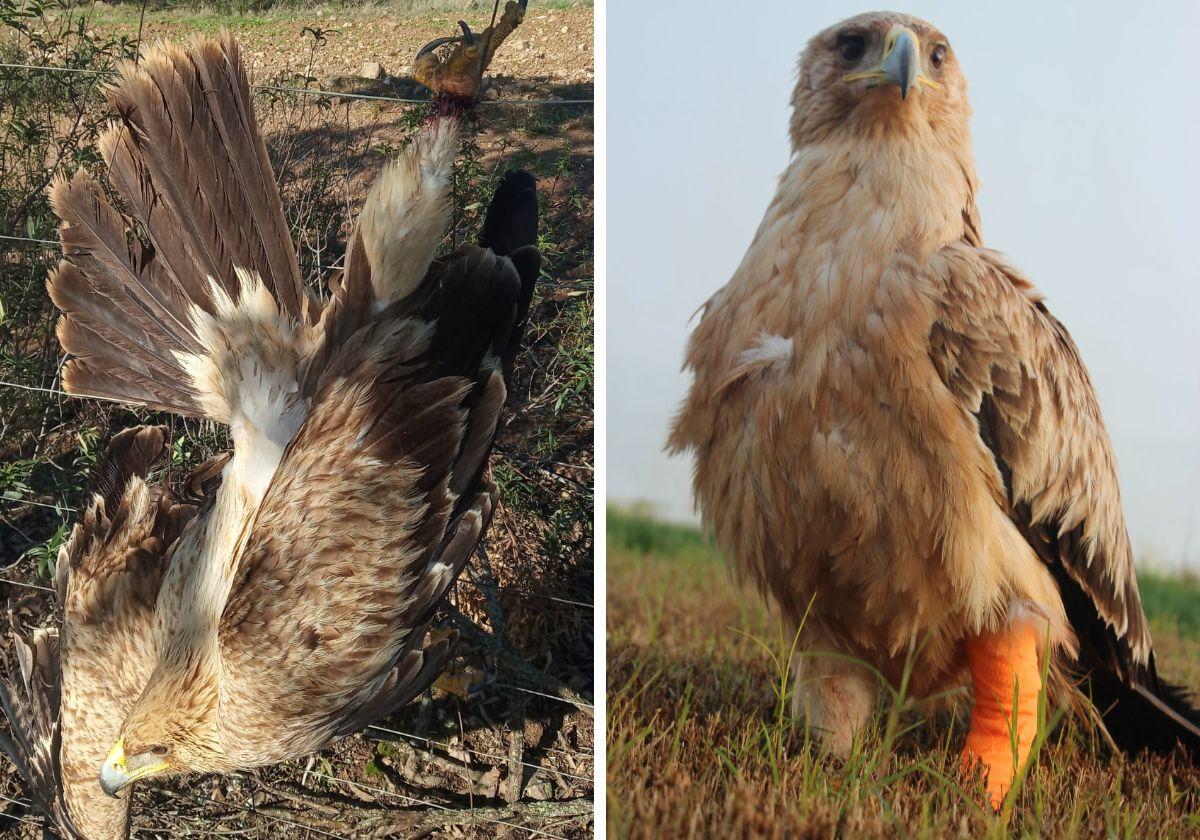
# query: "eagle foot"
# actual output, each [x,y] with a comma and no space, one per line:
[458,72]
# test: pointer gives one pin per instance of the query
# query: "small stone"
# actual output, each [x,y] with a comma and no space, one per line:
[372,70]
[491,94]
[523,45]
[458,752]
[565,30]
[540,791]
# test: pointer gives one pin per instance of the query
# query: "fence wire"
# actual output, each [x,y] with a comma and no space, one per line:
[314,91]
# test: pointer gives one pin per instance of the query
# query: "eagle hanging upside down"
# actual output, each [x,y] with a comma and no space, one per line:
[287,603]
[897,442]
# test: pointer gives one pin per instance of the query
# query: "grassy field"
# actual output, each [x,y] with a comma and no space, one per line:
[700,745]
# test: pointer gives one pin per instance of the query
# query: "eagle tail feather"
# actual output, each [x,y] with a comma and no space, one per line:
[1138,711]
[1153,715]
[204,260]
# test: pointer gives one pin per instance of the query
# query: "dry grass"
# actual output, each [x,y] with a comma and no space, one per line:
[699,744]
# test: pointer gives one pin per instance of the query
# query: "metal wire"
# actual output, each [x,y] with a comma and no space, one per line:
[436,805]
[19,502]
[26,585]
[547,696]
[60,393]
[311,91]
[31,239]
[562,600]
[245,809]
[474,751]
[14,816]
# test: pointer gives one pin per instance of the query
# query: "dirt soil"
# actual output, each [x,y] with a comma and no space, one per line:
[552,48]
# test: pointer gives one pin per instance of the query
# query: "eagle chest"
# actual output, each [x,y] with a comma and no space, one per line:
[827,461]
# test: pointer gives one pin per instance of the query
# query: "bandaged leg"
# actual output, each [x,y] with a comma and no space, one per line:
[1006,681]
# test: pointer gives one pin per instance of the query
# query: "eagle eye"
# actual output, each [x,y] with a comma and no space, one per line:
[159,751]
[938,55]
[851,47]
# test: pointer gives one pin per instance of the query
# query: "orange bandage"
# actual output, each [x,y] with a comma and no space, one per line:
[1003,666]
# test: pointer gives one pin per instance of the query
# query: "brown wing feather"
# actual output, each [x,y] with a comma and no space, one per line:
[188,118]
[376,506]
[81,679]
[1015,367]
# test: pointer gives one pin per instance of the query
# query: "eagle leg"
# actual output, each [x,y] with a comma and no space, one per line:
[459,73]
[1006,681]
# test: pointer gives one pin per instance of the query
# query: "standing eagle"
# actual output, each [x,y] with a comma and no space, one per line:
[290,606]
[897,442]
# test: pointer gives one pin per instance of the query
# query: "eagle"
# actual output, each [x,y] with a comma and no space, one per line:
[898,444]
[283,600]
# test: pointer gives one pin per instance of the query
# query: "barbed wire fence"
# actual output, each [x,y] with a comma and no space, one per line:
[249,810]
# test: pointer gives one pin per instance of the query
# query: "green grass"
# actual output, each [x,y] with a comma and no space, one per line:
[700,742]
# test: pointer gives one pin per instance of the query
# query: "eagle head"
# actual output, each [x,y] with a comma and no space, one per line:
[877,74]
[171,729]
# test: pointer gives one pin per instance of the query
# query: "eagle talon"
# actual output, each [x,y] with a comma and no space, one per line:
[468,36]
[437,42]
[458,75]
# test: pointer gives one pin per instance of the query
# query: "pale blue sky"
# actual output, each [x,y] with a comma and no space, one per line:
[1087,144]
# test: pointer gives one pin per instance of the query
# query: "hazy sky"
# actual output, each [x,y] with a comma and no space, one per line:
[1087,144]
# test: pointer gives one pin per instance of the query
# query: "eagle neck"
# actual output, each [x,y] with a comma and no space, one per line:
[881,193]
[205,574]
[191,604]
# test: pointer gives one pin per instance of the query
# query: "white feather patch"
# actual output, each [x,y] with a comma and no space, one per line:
[249,377]
[406,212]
[768,350]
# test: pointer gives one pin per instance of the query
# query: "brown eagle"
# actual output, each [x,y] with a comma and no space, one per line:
[291,605]
[897,442]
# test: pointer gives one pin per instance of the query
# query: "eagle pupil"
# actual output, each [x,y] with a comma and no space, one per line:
[938,55]
[851,47]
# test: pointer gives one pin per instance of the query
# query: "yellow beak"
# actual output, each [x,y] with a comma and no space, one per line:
[901,64]
[118,772]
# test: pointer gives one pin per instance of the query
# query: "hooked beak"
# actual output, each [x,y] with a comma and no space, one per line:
[901,65]
[118,772]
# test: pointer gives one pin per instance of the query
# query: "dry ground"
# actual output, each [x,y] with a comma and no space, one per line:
[506,747]
[699,744]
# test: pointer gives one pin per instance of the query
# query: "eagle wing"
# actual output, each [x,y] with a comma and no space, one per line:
[79,680]
[1014,367]
[376,506]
